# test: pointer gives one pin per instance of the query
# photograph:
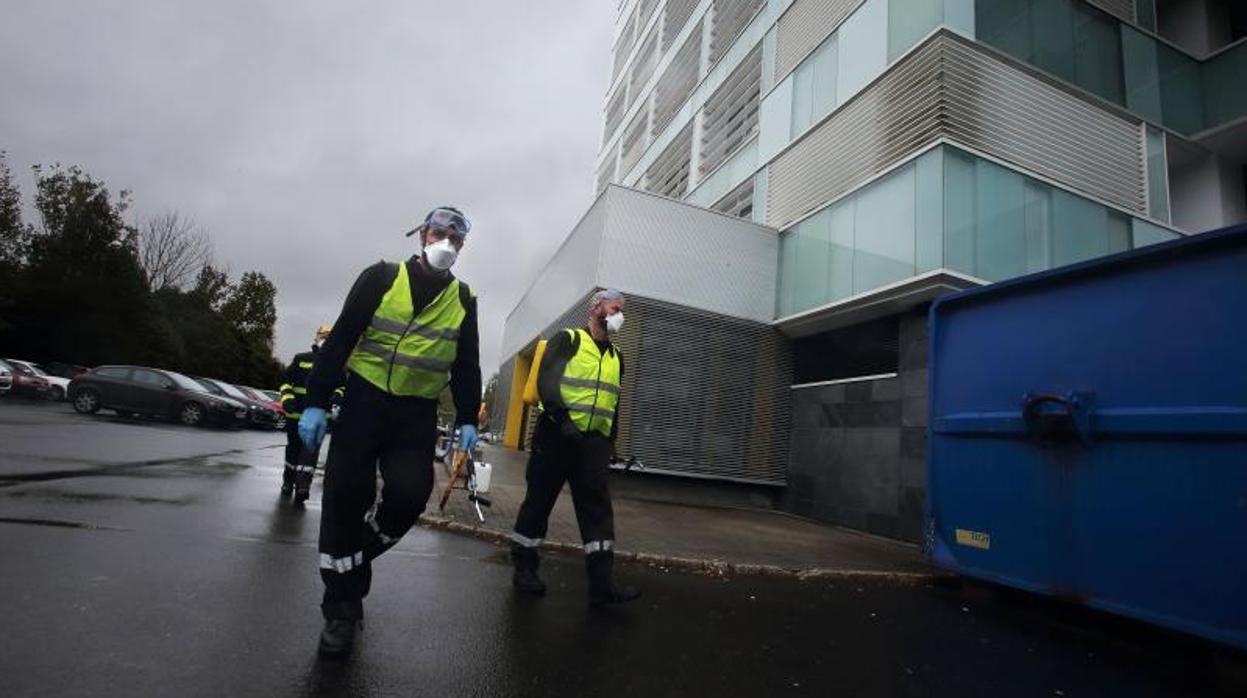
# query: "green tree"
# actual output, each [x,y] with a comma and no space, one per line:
[251,308]
[14,242]
[490,398]
[82,296]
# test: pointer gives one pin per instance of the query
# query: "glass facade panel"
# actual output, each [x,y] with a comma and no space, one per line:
[1000,249]
[1139,65]
[1224,96]
[1157,175]
[909,21]
[813,260]
[884,231]
[948,209]
[1181,90]
[1144,233]
[825,69]
[863,48]
[802,98]
[1079,228]
[929,211]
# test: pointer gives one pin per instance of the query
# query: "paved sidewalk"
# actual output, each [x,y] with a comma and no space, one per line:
[705,539]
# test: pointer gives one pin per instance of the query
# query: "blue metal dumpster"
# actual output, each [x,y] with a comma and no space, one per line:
[1088,434]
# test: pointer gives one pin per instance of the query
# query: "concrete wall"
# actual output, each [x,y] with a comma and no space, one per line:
[858,449]
[1207,193]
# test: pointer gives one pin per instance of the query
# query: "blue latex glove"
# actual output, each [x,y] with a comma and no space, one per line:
[312,426]
[467,437]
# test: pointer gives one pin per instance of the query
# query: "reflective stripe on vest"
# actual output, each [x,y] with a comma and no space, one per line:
[410,356]
[590,386]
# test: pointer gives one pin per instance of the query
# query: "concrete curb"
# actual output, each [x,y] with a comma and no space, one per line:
[709,567]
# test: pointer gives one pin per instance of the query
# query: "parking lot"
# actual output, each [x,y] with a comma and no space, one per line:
[150,558]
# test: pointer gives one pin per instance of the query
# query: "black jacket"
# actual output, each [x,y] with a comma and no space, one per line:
[559,350]
[294,389]
[361,304]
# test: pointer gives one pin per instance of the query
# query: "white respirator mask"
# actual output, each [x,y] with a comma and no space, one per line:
[614,322]
[441,255]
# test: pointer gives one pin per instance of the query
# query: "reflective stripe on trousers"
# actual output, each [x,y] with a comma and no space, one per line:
[341,565]
[595,546]
[524,540]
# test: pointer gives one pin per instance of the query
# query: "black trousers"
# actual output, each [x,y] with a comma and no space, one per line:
[582,463]
[299,458]
[396,434]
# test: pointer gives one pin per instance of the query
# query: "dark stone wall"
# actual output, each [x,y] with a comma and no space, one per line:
[858,450]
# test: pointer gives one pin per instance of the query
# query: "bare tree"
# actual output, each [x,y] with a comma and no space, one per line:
[172,250]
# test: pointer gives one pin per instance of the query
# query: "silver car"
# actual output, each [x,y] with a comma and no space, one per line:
[6,377]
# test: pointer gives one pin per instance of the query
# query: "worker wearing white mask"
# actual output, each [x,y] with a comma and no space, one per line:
[579,382]
[405,332]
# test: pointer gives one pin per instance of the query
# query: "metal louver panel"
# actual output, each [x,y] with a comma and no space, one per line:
[614,113]
[1122,9]
[675,16]
[677,82]
[606,174]
[803,27]
[952,89]
[738,202]
[703,394]
[624,44]
[730,19]
[1018,117]
[632,146]
[644,12]
[643,67]
[730,117]
[669,173]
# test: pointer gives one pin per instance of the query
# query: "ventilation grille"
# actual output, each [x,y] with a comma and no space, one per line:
[730,117]
[677,82]
[803,27]
[675,16]
[1122,9]
[950,89]
[669,173]
[730,19]
[738,202]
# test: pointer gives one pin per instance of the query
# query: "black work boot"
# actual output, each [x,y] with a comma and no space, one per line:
[337,637]
[287,480]
[525,578]
[600,567]
[302,487]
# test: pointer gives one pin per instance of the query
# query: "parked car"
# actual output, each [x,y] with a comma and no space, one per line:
[26,381]
[6,377]
[58,387]
[135,390]
[260,414]
[64,370]
[269,398]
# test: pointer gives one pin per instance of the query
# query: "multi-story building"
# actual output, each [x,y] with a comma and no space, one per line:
[785,185]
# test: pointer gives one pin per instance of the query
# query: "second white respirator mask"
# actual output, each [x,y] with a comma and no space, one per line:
[614,322]
[441,254]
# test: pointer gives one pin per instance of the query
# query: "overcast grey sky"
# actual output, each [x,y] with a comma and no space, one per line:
[306,137]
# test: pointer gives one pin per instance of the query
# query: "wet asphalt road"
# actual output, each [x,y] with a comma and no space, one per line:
[149,559]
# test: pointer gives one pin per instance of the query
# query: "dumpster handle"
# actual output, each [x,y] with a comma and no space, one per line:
[1078,408]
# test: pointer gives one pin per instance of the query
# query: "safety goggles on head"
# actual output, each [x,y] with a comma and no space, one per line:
[446,219]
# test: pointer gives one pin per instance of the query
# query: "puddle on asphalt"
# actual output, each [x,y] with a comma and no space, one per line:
[66,496]
[58,523]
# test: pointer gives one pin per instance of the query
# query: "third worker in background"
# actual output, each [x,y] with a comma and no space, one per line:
[300,467]
[406,331]
[579,382]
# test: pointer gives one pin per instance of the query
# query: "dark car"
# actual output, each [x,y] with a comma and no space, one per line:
[64,370]
[135,390]
[269,398]
[26,381]
[260,415]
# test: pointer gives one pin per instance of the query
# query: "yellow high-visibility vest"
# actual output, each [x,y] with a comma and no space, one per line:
[406,355]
